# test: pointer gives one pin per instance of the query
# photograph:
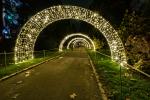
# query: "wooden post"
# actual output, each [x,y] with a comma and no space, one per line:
[5,58]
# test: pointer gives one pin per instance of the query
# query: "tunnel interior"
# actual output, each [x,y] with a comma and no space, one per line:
[52,35]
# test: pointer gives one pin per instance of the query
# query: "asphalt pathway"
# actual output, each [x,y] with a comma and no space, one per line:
[69,77]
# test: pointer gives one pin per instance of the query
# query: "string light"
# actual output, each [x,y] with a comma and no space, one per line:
[72,35]
[79,39]
[74,40]
[47,16]
[86,44]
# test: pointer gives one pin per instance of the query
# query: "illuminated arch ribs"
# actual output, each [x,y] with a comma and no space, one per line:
[85,43]
[78,39]
[27,37]
[72,35]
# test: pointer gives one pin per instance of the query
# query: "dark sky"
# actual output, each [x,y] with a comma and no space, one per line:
[111,10]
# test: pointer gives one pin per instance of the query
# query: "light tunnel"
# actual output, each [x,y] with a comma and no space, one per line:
[72,35]
[85,43]
[78,39]
[28,34]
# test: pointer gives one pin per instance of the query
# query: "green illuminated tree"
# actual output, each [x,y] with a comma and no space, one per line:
[98,44]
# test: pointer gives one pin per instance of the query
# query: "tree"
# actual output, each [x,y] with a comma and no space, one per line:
[98,44]
[134,32]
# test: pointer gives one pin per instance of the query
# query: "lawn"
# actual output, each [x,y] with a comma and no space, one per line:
[7,70]
[120,83]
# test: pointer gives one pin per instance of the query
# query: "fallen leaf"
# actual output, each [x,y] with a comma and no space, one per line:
[15,96]
[73,95]
[19,82]
[27,74]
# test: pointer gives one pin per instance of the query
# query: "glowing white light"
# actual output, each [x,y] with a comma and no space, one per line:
[86,44]
[74,39]
[46,19]
[29,35]
[95,14]
[36,24]
[72,35]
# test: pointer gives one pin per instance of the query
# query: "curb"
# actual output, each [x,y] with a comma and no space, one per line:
[100,86]
[25,69]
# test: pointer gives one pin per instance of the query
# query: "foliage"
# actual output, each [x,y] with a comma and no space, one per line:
[118,82]
[98,44]
[133,24]
[134,31]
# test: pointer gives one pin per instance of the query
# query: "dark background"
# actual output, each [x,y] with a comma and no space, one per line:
[50,37]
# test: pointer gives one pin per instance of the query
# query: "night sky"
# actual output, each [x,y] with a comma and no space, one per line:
[112,10]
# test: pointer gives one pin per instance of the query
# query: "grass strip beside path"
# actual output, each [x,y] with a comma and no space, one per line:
[4,71]
[119,82]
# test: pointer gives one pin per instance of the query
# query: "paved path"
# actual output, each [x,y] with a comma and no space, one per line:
[69,76]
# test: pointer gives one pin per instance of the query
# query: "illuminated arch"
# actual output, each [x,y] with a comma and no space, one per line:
[81,39]
[25,42]
[72,35]
[86,44]
[73,43]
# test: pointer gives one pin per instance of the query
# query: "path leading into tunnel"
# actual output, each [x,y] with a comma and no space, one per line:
[69,76]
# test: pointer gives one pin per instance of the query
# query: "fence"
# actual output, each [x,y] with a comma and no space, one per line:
[121,83]
[128,66]
[7,58]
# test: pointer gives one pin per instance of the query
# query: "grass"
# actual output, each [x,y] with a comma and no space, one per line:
[119,82]
[17,67]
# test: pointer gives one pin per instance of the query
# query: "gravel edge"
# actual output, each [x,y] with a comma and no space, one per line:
[100,86]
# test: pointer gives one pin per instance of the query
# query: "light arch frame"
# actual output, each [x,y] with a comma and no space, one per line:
[86,44]
[28,34]
[79,38]
[72,35]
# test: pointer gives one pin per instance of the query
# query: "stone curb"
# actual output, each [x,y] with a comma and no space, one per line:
[100,86]
[25,69]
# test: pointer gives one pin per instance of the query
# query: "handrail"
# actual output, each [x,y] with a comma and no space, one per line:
[7,58]
[103,54]
[129,66]
[138,70]
[29,51]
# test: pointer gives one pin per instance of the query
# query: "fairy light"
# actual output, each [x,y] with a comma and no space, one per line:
[46,19]
[39,21]
[80,39]
[72,35]
[86,44]
[75,40]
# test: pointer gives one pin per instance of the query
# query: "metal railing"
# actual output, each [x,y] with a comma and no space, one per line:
[128,65]
[7,58]
[121,82]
